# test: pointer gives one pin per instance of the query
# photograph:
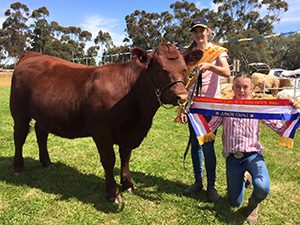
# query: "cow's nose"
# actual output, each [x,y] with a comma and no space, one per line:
[182,99]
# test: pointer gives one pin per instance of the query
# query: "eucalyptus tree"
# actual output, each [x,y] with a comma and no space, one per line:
[73,39]
[85,36]
[235,16]
[238,19]
[249,51]
[40,31]
[147,30]
[14,32]
[116,54]
[184,13]
[82,55]
[285,51]
[91,53]
[144,29]
[2,52]
[73,32]
[104,40]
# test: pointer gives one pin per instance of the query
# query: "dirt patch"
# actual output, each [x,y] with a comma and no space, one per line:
[5,79]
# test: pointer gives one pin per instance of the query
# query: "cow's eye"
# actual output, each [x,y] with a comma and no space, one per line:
[173,58]
[164,70]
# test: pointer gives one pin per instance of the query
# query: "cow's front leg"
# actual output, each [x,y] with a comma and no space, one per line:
[108,159]
[126,181]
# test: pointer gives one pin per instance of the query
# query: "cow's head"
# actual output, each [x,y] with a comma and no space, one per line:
[166,68]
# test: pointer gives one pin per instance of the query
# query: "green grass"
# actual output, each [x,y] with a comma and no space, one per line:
[72,192]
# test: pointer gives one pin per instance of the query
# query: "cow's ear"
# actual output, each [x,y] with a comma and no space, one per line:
[193,57]
[140,56]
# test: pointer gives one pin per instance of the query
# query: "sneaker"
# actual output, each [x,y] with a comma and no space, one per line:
[252,212]
[212,194]
[196,187]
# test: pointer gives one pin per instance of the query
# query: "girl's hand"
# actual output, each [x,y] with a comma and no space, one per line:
[296,104]
[204,66]
[183,118]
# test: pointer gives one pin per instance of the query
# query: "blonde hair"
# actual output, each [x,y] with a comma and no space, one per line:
[243,75]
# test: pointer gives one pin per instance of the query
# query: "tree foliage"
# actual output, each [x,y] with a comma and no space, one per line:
[104,39]
[231,19]
[40,30]
[141,26]
[285,51]
[14,33]
[43,36]
[234,16]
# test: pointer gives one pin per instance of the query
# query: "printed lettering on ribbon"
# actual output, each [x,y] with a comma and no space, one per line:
[269,109]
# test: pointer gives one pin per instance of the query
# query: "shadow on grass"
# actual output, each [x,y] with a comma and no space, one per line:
[67,182]
[225,212]
[62,180]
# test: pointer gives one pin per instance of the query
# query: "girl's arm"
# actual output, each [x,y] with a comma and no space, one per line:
[221,68]
[276,125]
[215,122]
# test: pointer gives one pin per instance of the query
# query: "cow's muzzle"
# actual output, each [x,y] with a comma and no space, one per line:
[182,99]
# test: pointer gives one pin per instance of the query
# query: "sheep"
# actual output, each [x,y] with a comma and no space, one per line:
[289,94]
[273,83]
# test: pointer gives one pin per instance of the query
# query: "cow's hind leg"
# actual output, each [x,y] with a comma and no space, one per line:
[126,181]
[21,129]
[108,159]
[42,137]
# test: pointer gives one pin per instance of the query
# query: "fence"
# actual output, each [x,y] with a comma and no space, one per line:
[122,57]
[125,56]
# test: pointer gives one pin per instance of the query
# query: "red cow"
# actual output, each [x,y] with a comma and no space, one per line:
[114,103]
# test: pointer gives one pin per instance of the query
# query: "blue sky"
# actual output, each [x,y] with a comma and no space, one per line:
[109,15]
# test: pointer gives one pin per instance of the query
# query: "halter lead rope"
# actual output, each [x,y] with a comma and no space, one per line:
[197,87]
[158,93]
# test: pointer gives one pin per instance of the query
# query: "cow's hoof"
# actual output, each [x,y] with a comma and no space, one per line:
[116,199]
[129,190]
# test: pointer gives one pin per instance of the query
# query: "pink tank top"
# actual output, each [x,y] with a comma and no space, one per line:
[211,81]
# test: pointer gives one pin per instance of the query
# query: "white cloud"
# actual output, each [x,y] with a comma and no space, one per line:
[291,19]
[293,13]
[1,21]
[294,6]
[95,23]
[198,5]
[212,6]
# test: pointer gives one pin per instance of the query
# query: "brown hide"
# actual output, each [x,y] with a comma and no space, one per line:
[114,103]
[193,57]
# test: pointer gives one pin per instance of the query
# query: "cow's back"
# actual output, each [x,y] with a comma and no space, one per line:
[50,90]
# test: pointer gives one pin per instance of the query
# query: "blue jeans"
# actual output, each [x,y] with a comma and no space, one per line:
[235,168]
[209,157]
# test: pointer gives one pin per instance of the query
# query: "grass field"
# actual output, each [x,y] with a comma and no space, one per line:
[72,192]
